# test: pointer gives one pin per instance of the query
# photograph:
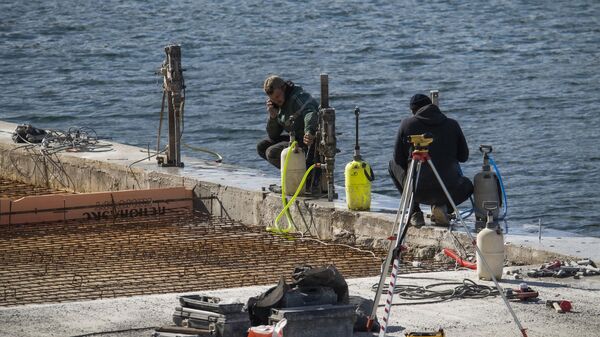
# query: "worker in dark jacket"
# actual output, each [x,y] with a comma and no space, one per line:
[448,148]
[290,109]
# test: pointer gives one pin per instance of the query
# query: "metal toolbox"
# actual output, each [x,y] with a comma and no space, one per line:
[316,321]
[222,325]
[208,303]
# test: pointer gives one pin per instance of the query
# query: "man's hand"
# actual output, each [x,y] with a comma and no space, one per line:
[308,139]
[271,109]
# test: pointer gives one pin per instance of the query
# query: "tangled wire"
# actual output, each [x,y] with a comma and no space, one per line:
[43,146]
[75,139]
[426,295]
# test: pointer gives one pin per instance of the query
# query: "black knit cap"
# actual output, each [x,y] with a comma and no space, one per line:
[418,101]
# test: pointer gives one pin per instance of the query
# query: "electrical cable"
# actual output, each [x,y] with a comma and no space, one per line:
[201,149]
[160,120]
[140,160]
[426,294]
[302,238]
[115,331]
[76,139]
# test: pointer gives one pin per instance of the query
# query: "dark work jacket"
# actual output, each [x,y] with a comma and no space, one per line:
[449,146]
[302,106]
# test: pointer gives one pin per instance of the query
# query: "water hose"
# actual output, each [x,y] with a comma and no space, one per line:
[505,204]
[288,216]
[283,197]
[461,262]
[466,213]
[288,204]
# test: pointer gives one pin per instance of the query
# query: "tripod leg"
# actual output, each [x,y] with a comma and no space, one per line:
[397,254]
[399,223]
[485,264]
[394,254]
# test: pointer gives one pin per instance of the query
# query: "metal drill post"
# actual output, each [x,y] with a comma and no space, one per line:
[327,141]
[173,86]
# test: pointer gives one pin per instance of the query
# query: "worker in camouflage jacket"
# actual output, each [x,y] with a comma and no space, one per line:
[290,109]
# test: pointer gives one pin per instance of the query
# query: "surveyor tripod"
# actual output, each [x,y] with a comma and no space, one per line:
[419,155]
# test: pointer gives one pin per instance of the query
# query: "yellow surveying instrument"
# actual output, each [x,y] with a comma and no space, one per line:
[420,142]
[419,155]
[359,176]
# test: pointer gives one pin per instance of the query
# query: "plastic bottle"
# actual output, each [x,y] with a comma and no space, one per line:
[358,176]
[490,242]
[294,170]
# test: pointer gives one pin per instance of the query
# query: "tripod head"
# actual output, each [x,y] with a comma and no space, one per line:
[420,142]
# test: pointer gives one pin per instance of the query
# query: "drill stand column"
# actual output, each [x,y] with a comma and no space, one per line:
[174,96]
[326,139]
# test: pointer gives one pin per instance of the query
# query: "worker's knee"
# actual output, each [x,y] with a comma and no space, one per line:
[462,191]
[273,153]
[262,147]
[397,174]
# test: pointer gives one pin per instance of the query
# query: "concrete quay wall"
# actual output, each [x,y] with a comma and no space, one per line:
[238,193]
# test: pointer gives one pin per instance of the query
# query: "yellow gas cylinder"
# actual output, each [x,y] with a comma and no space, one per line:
[293,167]
[358,176]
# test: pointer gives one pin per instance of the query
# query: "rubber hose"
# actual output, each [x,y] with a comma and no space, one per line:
[505,206]
[287,206]
[284,201]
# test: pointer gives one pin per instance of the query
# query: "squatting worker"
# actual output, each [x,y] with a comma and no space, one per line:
[289,109]
[449,147]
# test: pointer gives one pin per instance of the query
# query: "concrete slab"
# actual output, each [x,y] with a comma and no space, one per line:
[136,316]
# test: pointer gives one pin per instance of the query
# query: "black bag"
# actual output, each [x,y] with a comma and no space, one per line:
[259,307]
[304,278]
[307,276]
[26,133]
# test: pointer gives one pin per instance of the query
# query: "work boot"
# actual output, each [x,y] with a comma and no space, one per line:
[417,219]
[439,215]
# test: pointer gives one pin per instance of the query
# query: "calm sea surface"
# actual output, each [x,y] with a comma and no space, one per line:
[522,76]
